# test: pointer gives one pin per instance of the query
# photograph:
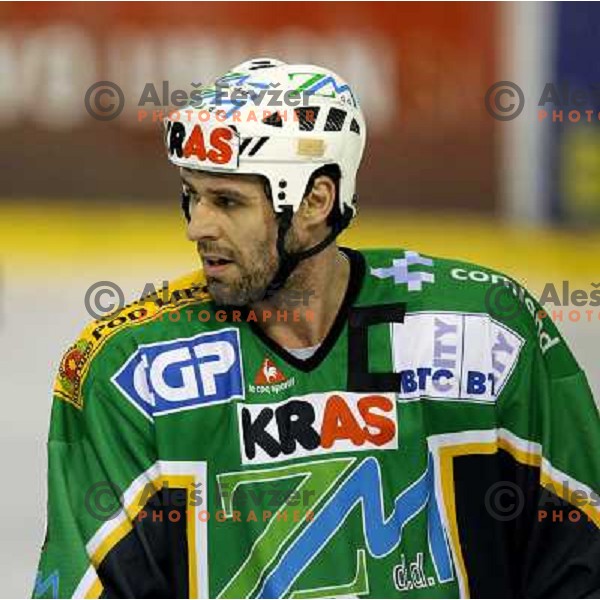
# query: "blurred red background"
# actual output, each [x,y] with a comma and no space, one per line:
[420,72]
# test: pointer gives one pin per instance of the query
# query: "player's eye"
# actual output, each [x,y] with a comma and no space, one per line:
[225,201]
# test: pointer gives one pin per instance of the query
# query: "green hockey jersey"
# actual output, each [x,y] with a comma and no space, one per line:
[441,442]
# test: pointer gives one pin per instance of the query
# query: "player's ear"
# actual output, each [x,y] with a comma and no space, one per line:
[318,203]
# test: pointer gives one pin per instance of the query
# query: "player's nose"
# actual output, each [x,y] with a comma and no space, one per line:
[204,222]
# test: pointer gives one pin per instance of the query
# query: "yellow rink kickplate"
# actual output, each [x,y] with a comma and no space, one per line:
[34,236]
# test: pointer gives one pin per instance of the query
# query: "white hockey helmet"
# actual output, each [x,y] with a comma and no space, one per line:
[282,121]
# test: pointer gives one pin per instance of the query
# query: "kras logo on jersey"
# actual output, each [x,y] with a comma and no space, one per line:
[182,374]
[317,424]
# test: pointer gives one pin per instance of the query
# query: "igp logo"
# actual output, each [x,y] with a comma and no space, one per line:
[183,374]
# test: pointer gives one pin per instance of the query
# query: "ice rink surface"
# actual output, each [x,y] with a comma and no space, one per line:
[46,270]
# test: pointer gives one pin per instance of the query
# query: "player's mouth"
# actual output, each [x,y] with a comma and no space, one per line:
[215,265]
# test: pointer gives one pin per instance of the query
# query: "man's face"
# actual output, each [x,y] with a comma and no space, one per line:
[234,227]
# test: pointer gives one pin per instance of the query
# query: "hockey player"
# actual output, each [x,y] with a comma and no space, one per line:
[408,440]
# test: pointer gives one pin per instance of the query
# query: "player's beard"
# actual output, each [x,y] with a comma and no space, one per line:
[249,285]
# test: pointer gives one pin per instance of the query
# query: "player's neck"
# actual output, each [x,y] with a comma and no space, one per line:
[313,295]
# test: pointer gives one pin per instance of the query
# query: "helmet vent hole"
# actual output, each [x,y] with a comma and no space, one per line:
[245,143]
[274,120]
[307,117]
[261,64]
[355,127]
[335,119]
[259,144]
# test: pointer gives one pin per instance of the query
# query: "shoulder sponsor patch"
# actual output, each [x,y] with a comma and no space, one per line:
[495,302]
[183,374]
[68,380]
[450,355]
[75,363]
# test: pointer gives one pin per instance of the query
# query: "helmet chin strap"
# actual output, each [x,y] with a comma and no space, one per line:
[288,261]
